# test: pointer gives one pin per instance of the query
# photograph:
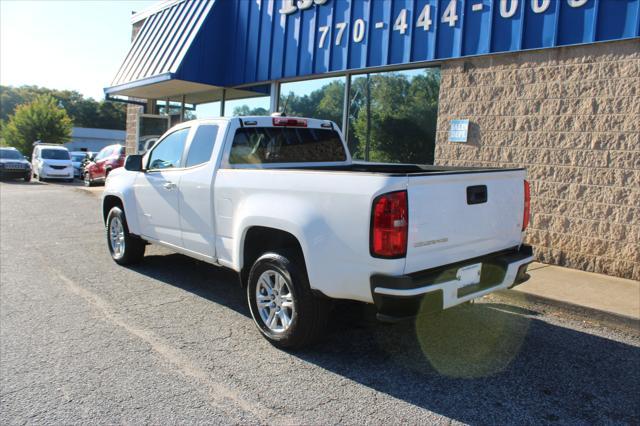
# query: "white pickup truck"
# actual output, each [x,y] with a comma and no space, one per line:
[279,200]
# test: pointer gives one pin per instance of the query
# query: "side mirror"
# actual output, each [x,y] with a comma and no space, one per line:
[133,163]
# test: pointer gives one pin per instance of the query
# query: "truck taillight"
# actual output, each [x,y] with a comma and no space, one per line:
[389,225]
[527,205]
[289,122]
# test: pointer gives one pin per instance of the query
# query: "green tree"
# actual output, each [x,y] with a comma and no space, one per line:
[325,103]
[84,112]
[42,119]
[400,120]
[244,110]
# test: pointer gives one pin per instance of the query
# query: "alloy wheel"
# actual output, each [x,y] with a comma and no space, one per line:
[116,237]
[275,301]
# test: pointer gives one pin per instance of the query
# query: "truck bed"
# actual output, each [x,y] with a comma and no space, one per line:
[455,213]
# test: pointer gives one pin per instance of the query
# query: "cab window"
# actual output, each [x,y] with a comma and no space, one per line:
[202,145]
[167,153]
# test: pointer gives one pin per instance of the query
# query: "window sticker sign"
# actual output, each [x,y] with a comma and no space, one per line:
[459,130]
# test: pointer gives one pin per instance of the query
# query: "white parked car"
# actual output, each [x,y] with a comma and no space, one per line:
[52,162]
[280,201]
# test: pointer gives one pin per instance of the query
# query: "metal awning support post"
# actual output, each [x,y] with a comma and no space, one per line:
[367,146]
[222,102]
[182,109]
[275,96]
[345,108]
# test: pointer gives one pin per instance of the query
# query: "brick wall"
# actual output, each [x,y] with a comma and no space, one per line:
[133,111]
[132,122]
[571,116]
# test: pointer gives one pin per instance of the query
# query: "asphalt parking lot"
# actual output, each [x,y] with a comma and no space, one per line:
[171,340]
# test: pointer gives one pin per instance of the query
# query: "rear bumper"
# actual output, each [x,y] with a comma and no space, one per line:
[436,289]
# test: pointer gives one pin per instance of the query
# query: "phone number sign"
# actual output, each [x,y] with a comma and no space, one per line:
[290,38]
[459,130]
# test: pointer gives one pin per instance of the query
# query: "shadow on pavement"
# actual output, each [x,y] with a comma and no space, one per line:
[487,362]
[217,284]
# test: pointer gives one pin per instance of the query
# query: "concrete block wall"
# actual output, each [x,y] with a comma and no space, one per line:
[571,116]
[133,111]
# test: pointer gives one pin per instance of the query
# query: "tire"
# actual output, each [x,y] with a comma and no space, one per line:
[129,249]
[27,178]
[308,315]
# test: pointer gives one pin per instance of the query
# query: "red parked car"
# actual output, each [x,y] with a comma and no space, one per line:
[109,158]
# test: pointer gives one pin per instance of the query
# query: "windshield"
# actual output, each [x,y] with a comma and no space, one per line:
[260,145]
[77,157]
[55,154]
[10,154]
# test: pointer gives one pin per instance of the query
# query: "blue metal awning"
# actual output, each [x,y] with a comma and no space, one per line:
[194,48]
[159,49]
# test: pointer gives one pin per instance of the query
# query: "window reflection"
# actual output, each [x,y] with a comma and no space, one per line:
[393,116]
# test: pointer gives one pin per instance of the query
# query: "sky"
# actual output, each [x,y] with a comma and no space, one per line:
[75,45]
[79,45]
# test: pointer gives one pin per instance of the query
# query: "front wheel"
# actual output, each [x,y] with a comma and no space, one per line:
[125,249]
[281,302]
[27,178]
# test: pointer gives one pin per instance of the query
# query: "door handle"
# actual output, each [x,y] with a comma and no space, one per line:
[169,185]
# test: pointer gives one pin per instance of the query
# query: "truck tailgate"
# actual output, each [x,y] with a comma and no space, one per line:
[459,216]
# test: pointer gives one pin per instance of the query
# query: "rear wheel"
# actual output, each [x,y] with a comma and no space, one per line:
[281,302]
[125,249]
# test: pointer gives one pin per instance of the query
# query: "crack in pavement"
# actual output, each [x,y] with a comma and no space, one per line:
[217,394]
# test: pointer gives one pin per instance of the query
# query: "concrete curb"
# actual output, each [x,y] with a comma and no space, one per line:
[611,319]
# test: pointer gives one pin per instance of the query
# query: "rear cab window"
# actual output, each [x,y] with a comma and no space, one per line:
[268,145]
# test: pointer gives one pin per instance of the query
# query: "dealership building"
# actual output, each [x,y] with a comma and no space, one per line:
[550,85]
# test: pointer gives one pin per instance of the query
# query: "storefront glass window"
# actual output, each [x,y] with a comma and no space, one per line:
[393,115]
[208,110]
[248,106]
[322,98]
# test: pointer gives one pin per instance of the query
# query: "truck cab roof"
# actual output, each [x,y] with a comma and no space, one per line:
[265,121]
